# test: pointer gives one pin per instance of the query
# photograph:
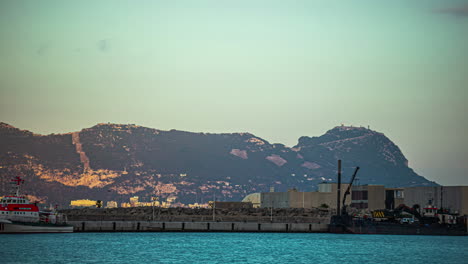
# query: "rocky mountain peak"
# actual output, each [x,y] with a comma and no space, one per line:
[7,129]
[349,142]
[5,125]
[118,161]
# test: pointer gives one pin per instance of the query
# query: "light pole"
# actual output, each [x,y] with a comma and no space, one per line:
[159,205]
[152,205]
[271,210]
[214,206]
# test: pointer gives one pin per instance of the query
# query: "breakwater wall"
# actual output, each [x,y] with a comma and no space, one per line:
[158,226]
[234,215]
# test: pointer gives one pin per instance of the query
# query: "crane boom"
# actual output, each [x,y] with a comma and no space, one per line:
[348,190]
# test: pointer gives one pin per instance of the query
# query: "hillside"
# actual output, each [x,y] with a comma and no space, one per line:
[115,162]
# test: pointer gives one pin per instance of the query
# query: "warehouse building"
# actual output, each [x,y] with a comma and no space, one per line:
[453,198]
[371,197]
[324,197]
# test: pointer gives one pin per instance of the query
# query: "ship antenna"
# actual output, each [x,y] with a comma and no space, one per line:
[17,181]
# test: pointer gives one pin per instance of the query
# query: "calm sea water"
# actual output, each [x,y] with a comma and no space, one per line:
[230,248]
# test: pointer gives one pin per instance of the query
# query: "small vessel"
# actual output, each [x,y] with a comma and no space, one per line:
[19,215]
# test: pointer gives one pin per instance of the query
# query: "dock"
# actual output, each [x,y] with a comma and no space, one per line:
[158,226]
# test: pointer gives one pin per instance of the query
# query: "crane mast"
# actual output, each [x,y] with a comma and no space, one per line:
[347,192]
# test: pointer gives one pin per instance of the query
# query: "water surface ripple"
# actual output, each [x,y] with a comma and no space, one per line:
[230,248]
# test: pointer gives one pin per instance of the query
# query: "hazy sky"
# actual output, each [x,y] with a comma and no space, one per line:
[278,69]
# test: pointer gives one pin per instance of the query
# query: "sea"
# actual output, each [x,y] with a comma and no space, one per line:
[230,248]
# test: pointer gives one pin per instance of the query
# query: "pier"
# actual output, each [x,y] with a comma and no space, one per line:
[158,226]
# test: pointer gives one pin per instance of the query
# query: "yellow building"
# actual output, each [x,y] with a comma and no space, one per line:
[111,204]
[83,203]
[125,205]
[134,201]
[171,198]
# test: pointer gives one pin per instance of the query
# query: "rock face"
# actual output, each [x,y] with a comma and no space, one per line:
[381,161]
[116,162]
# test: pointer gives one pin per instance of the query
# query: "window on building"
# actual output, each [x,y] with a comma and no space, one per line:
[359,195]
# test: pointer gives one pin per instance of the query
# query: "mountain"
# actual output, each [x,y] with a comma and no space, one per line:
[116,162]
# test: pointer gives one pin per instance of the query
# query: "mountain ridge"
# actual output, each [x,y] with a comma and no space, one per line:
[116,161]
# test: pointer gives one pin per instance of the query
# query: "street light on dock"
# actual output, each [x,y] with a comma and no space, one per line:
[214,206]
[152,204]
[271,213]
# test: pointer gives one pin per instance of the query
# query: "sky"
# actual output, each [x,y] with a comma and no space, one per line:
[277,69]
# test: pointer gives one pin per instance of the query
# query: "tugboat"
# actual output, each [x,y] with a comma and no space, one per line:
[19,215]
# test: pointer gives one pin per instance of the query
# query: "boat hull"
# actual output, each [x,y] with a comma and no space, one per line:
[397,229]
[14,228]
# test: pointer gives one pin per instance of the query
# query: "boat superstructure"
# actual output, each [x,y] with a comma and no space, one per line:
[19,215]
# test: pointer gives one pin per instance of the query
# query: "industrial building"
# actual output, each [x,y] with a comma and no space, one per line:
[370,197]
[453,198]
[324,197]
[253,198]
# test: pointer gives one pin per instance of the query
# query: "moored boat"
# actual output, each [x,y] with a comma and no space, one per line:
[19,215]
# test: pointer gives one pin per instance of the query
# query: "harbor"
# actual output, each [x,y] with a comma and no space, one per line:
[257,220]
[146,219]
[155,226]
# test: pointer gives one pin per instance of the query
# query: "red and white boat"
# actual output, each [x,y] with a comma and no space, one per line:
[19,215]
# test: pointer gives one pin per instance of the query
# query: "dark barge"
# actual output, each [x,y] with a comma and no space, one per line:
[437,222]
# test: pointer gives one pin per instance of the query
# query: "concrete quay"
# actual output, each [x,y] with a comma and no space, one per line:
[159,226]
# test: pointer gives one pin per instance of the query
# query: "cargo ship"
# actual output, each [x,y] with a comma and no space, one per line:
[19,215]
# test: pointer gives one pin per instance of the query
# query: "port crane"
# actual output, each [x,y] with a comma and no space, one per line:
[347,192]
[342,219]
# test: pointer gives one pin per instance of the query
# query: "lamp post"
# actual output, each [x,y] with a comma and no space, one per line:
[152,205]
[214,206]
[271,209]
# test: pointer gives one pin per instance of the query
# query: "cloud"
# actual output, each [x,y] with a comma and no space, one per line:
[461,11]
[104,45]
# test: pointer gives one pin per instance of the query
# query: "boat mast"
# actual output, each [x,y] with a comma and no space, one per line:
[17,181]
[338,197]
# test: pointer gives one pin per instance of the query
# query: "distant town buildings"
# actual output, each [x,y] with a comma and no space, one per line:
[135,202]
[361,197]
[83,203]
[111,204]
